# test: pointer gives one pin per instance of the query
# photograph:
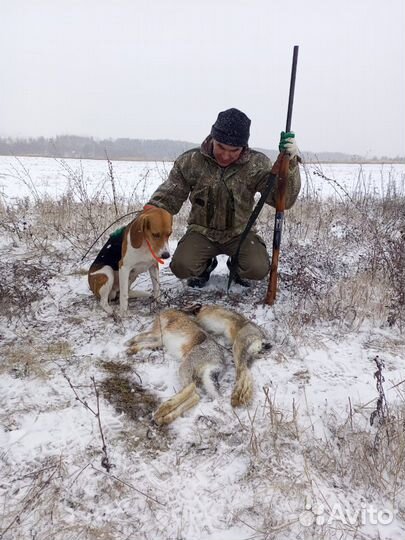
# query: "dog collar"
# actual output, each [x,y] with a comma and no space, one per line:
[160,261]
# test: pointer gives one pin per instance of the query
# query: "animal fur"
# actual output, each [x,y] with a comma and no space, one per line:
[201,359]
[247,340]
[127,255]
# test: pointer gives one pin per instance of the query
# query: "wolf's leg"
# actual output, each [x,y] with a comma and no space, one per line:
[242,393]
[145,340]
[152,339]
[183,407]
[177,405]
[246,345]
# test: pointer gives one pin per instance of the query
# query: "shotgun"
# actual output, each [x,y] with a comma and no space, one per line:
[281,168]
[272,178]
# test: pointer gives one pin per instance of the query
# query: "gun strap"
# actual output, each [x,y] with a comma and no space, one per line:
[251,221]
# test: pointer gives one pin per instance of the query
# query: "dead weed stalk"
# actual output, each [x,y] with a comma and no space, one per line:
[105,461]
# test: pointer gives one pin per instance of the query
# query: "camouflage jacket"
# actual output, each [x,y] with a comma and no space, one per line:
[222,199]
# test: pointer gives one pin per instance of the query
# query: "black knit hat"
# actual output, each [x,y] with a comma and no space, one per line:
[232,127]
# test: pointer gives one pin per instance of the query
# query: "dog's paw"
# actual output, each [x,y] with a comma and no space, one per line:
[107,308]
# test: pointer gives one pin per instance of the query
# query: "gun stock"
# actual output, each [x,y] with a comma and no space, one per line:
[278,228]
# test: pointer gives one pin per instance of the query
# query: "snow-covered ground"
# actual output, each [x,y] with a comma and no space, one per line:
[300,462]
[27,176]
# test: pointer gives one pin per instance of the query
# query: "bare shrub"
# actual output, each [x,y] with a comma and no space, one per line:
[36,491]
[22,284]
[79,216]
[294,462]
[344,256]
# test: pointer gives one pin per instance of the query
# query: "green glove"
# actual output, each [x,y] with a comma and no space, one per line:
[287,144]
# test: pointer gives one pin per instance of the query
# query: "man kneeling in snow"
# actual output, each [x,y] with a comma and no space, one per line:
[221,178]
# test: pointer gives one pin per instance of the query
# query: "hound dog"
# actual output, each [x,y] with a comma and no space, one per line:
[129,251]
[201,358]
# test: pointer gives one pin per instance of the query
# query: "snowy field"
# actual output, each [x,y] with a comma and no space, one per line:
[301,462]
[27,176]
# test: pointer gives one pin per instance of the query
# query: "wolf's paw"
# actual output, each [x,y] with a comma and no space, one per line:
[242,393]
[133,349]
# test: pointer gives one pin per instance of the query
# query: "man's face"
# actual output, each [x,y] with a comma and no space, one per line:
[225,154]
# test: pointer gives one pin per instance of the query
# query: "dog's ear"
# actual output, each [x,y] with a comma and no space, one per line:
[146,223]
[137,232]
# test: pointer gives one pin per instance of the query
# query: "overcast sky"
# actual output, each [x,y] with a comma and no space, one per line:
[164,69]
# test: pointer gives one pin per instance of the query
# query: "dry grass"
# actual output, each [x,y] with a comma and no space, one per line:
[28,359]
[125,395]
[291,463]
[342,257]
[343,265]
[345,259]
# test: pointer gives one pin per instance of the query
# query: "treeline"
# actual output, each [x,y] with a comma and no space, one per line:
[74,146]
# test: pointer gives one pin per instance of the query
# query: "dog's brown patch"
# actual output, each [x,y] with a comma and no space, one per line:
[96,281]
[124,246]
[136,231]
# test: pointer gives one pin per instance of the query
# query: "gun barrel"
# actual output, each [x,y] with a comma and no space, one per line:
[292,88]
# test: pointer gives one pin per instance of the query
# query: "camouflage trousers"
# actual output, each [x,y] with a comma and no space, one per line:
[195,251]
